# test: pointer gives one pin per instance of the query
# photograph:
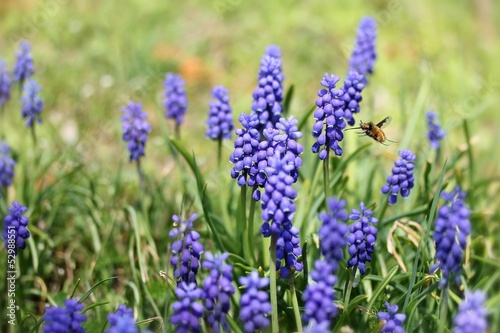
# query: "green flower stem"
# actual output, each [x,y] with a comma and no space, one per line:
[177,130]
[384,208]
[326,174]
[244,227]
[251,228]
[273,290]
[33,135]
[443,311]
[219,152]
[347,296]
[295,303]
[140,174]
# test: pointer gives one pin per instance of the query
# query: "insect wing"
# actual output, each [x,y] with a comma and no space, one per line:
[386,121]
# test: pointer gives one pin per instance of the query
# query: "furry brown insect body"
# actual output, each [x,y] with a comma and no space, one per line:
[374,131]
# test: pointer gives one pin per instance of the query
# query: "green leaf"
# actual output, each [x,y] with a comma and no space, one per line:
[288,100]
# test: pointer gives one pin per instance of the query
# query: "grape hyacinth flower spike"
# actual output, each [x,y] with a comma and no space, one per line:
[254,303]
[7,165]
[5,84]
[135,129]
[246,145]
[471,317]
[68,319]
[333,231]
[23,68]
[122,321]
[220,119]
[450,235]
[401,181]
[354,84]
[175,101]
[268,95]
[187,310]
[31,103]
[393,321]
[15,232]
[364,53]
[361,238]
[435,133]
[329,117]
[186,249]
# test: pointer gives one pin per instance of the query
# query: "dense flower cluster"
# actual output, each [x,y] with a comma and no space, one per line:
[435,133]
[354,84]
[333,231]
[314,327]
[135,129]
[361,238]
[175,101]
[5,84]
[268,94]
[220,118]
[402,180]
[278,209]
[217,290]
[187,310]
[31,102]
[393,320]
[16,224]
[364,54]
[7,165]
[329,116]
[65,320]
[450,234]
[245,146]
[254,303]
[186,250]
[122,321]
[23,68]
[471,317]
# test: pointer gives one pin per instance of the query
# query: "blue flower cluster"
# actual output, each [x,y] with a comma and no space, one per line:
[278,209]
[329,116]
[471,317]
[187,311]
[254,303]
[7,165]
[217,290]
[450,234]
[393,320]
[64,320]
[122,321]
[175,101]
[135,129]
[31,102]
[402,180]
[186,250]
[268,95]
[333,231]
[220,118]
[435,133]
[354,84]
[23,68]
[364,54]
[245,146]
[5,84]
[361,238]
[16,224]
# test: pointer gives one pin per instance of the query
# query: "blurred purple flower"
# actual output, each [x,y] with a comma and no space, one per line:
[7,165]
[254,303]
[65,320]
[450,235]
[402,180]
[435,133]
[471,317]
[5,84]
[175,101]
[135,129]
[246,145]
[364,53]
[329,116]
[220,119]
[393,321]
[31,103]
[15,231]
[122,321]
[353,86]
[23,68]
[187,310]
[186,249]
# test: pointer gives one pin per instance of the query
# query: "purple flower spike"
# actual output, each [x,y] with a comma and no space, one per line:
[435,133]
[23,68]
[7,165]
[402,180]
[135,129]
[450,235]
[268,95]
[16,233]
[329,116]
[245,146]
[5,84]
[186,249]
[217,290]
[122,321]
[471,317]
[361,238]
[364,54]
[187,311]
[393,321]
[175,101]
[254,303]
[31,103]
[333,231]
[220,119]
[65,320]
[354,84]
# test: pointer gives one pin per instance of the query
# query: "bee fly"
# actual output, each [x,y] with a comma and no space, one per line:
[374,131]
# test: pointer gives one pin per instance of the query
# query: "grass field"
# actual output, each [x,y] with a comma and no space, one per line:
[99,236]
